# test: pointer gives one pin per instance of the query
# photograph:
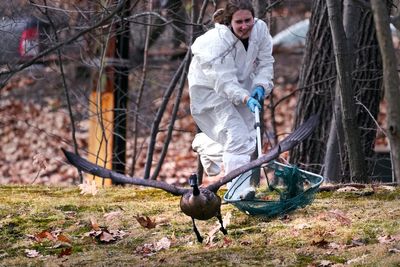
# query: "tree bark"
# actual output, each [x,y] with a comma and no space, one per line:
[350,127]
[316,94]
[317,91]
[391,81]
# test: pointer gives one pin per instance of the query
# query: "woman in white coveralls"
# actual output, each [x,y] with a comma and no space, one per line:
[230,73]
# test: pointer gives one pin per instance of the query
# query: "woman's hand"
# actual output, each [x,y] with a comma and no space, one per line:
[252,103]
[258,93]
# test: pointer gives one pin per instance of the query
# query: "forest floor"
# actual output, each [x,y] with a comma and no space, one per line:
[131,226]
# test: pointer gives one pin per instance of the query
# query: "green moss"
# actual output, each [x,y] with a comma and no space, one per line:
[335,259]
[285,241]
[323,195]
[304,260]
[70,207]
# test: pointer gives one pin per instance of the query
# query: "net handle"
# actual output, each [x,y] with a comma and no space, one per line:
[258,129]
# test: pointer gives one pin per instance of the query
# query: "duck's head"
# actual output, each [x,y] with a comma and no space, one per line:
[193,183]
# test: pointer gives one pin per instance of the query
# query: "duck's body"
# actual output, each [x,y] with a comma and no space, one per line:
[203,206]
[198,203]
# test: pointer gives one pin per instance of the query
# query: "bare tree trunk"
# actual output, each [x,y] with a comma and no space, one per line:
[391,81]
[317,92]
[367,82]
[316,84]
[333,164]
[350,127]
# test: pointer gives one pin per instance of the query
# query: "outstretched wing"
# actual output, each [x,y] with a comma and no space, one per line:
[89,167]
[290,141]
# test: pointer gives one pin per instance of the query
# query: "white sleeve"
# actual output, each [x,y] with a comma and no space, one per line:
[264,71]
[224,73]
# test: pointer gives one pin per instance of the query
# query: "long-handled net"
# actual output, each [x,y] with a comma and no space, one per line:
[289,188]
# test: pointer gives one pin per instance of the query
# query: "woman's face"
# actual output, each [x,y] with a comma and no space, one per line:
[242,23]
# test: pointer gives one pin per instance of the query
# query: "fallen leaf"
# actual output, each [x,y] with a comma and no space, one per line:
[88,187]
[386,239]
[31,253]
[325,263]
[145,250]
[65,252]
[164,243]
[146,222]
[106,237]
[44,235]
[94,224]
[118,234]
[394,250]
[63,238]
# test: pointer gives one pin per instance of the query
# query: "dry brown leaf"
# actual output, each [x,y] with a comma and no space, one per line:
[94,224]
[65,252]
[44,235]
[118,234]
[106,237]
[63,238]
[145,250]
[146,222]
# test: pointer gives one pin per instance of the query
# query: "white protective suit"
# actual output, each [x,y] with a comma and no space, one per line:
[221,74]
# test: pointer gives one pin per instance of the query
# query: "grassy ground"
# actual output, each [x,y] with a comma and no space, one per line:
[54,226]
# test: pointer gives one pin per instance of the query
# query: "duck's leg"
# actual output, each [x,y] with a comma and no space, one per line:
[199,238]
[223,230]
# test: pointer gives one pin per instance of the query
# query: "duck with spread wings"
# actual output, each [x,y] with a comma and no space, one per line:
[201,203]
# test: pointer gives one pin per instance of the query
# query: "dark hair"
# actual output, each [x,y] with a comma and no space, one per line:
[224,16]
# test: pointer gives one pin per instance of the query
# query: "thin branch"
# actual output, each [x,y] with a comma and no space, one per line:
[157,119]
[65,86]
[141,89]
[173,117]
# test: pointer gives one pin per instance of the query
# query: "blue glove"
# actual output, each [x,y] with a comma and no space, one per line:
[258,93]
[252,103]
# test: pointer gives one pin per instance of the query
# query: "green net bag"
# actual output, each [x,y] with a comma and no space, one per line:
[289,188]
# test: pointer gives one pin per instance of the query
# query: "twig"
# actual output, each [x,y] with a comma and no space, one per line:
[173,118]
[141,89]
[157,119]
[65,87]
